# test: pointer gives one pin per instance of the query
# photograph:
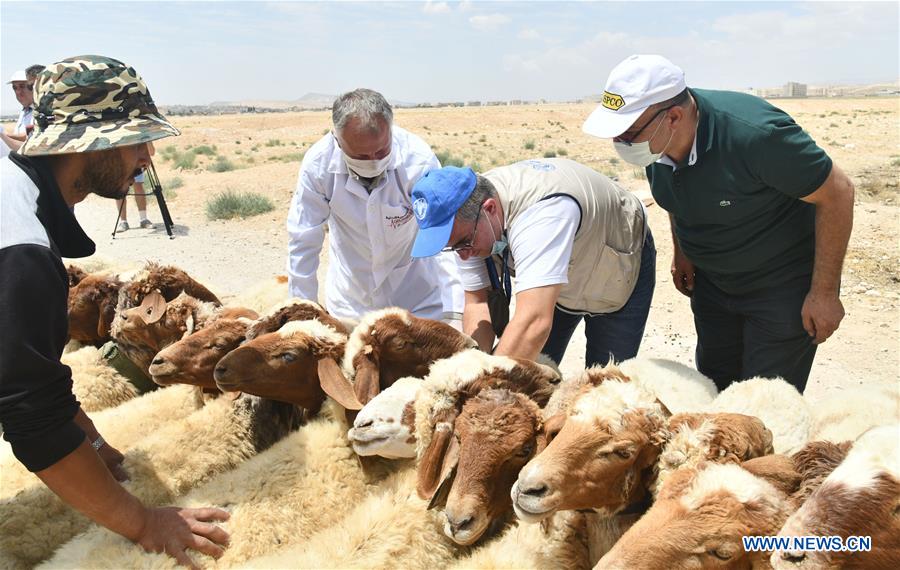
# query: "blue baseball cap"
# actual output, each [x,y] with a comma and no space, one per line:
[437,197]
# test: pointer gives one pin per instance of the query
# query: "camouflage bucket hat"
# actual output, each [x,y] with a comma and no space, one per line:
[91,102]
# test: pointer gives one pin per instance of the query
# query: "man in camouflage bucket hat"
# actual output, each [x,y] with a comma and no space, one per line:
[94,123]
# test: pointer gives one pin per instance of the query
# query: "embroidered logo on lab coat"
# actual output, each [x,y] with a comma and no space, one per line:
[397,221]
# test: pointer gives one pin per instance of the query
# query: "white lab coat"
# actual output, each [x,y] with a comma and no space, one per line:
[370,236]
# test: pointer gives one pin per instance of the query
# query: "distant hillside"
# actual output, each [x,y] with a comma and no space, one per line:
[308,101]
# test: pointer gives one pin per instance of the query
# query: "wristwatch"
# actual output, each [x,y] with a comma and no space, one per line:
[98,443]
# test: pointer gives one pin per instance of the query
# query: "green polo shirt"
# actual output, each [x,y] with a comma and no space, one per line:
[736,209]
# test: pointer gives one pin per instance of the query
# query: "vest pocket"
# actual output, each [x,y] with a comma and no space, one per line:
[611,280]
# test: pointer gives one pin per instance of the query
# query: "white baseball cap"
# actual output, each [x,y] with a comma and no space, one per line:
[633,85]
[18,76]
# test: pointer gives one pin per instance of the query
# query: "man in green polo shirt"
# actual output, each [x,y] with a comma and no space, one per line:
[760,216]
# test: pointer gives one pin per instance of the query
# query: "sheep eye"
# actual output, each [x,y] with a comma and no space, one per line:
[624,453]
[526,450]
[721,553]
[398,343]
[287,357]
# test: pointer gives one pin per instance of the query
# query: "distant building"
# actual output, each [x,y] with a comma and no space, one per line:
[792,89]
[473,104]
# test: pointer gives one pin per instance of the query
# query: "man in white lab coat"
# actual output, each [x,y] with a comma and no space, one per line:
[358,179]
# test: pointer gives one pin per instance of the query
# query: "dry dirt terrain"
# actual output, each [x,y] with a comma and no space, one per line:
[861,135]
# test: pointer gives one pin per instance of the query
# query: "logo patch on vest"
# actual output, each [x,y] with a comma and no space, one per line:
[724,203]
[612,101]
[420,208]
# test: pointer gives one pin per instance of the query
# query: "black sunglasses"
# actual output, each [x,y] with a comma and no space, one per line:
[629,141]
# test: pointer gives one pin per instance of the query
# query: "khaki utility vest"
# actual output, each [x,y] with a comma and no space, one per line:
[606,255]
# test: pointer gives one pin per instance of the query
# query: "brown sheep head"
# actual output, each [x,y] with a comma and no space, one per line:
[165,280]
[700,516]
[92,307]
[718,437]
[860,497]
[294,310]
[192,359]
[391,344]
[473,460]
[143,331]
[284,366]
[75,274]
[601,454]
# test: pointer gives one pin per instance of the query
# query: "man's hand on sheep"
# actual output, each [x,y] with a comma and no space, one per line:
[173,530]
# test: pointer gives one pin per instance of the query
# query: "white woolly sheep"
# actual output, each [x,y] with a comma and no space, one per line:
[303,484]
[778,404]
[96,384]
[165,464]
[845,414]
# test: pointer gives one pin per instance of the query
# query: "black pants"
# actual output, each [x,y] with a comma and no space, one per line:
[753,334]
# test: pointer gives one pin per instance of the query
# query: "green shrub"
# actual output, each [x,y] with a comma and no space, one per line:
[482,138]
[549,154]
[529,145]
[222,164]
[173,183]
[290,157]
[273,142]
[184,160]
[326,131]
[614,160]
[205,150]
[639,174]
[230,204]
[446,159]
[562,152]
[895,162]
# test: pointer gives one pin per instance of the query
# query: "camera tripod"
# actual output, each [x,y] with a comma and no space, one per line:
[151,179]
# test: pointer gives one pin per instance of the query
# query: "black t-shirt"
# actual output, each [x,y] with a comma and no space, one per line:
[37,406]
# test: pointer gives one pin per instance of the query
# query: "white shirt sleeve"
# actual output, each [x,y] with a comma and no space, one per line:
[473,274]
[306,233]
[540,242]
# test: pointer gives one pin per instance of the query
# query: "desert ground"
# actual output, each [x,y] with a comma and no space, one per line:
[265,150]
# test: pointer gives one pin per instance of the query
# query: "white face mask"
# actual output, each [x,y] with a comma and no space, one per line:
[639,154]
[500,244]
[369,168]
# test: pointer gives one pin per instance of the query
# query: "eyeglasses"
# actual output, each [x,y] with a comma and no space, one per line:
[630,140]
[466,243]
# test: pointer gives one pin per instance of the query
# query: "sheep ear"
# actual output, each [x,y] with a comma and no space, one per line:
[779,470]
[448,474]
[153,307]
[336,385]
[366,383]
[552,428]
[432,461]
[107,316]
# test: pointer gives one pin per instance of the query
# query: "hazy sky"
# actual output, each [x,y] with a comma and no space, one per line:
[198,52]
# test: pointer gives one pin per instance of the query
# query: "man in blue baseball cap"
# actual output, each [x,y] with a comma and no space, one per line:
[577,245]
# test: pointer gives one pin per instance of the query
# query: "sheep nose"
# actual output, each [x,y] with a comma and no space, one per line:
[220,371]
[538,490]
[459,525]
[363,423]
[794,557]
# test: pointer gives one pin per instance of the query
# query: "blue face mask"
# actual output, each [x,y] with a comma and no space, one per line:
[500,244]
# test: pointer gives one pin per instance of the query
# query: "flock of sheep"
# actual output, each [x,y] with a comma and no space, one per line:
[453,457]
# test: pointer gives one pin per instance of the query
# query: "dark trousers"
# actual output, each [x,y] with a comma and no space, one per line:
[753,334]
[611,335]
